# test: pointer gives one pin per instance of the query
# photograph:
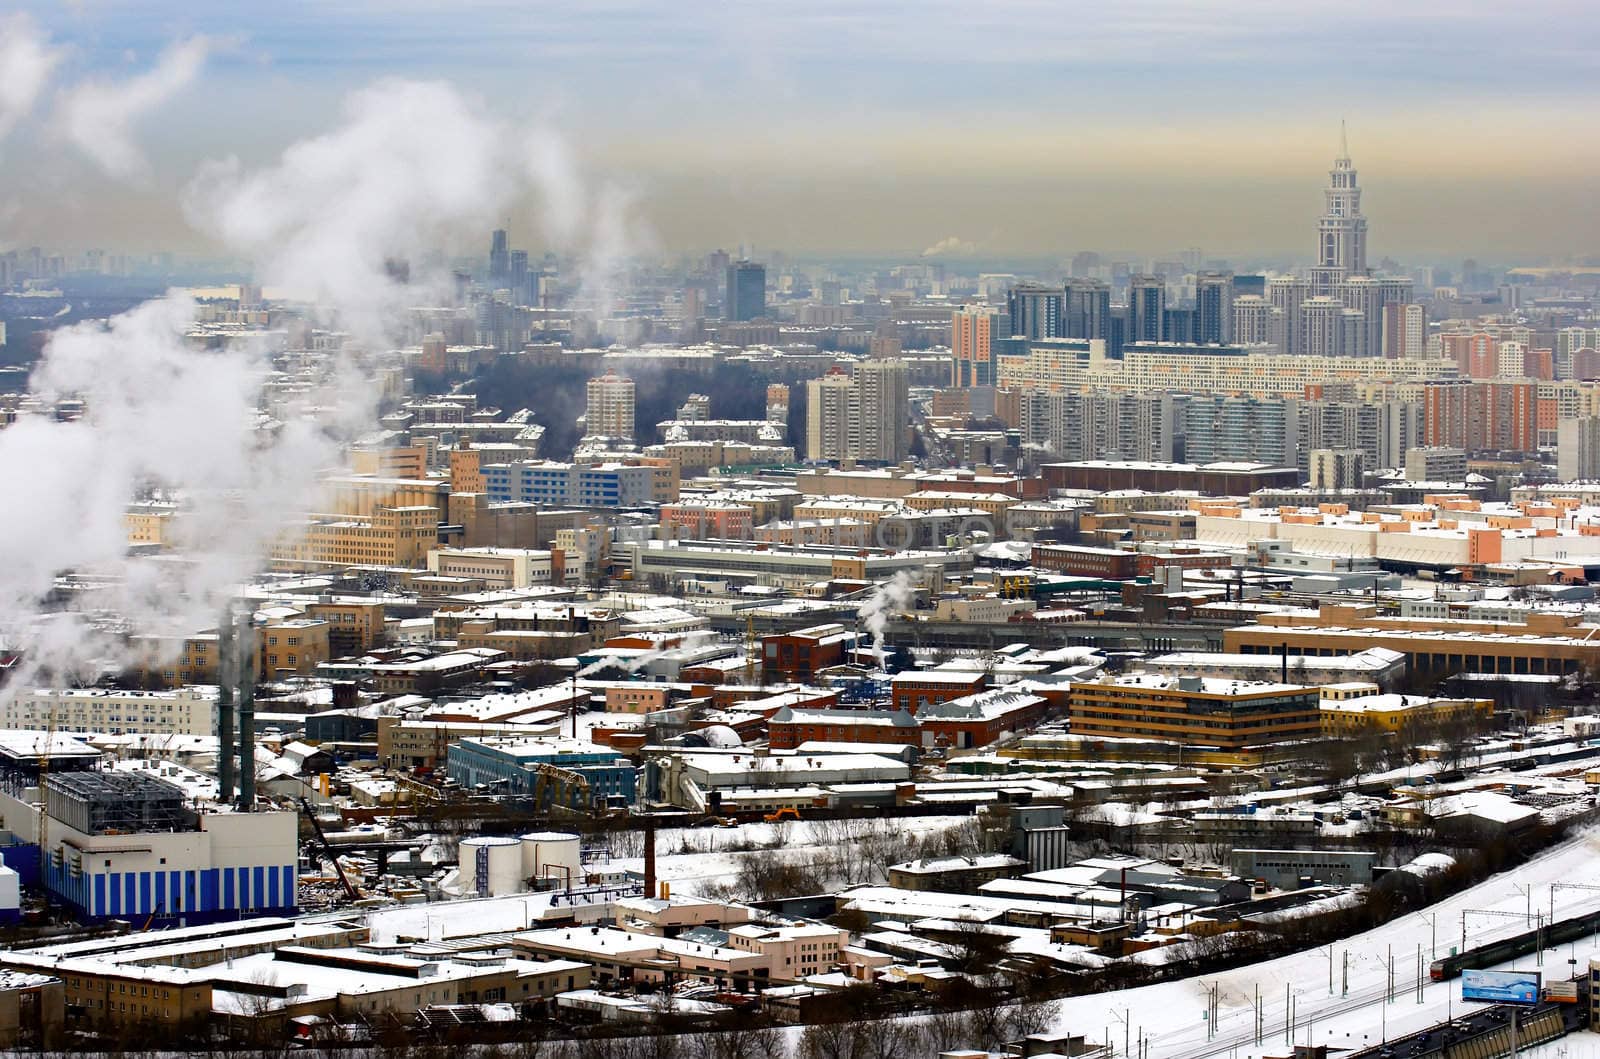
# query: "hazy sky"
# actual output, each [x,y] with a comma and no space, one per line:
[870,127]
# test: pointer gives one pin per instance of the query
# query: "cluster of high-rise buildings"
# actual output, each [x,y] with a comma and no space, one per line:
[1189,363]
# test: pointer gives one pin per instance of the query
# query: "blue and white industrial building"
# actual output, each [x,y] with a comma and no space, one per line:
[131,844]
[510,765]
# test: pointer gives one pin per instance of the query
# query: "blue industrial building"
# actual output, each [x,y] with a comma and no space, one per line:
[513,766]
[569,484]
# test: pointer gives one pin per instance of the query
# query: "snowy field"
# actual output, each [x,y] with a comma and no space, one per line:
[687,857]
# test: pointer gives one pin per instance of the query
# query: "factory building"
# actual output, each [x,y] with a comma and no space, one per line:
[570,772]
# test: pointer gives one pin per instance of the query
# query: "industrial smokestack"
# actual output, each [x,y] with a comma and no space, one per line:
[247,709]
[227,673]
[649,857]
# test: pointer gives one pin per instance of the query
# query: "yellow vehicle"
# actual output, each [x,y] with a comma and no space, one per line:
[788,812]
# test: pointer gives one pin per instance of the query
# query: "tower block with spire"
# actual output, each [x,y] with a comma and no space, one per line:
[1342,231]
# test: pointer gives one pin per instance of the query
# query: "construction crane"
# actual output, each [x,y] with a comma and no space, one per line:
[567,789]
[327,850]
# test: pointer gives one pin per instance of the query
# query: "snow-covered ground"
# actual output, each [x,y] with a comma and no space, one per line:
[687,856]
[1171,1014]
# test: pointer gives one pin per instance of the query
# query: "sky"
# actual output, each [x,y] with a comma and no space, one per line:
[1008,127]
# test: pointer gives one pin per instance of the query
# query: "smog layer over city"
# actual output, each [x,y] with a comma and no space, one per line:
[629,530]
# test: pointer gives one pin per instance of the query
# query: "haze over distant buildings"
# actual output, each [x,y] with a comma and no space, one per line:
[966,129]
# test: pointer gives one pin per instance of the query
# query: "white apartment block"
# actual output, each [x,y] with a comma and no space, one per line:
[1176,368]
[186,711]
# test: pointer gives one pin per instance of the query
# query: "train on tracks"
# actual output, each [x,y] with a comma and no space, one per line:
[1496,952]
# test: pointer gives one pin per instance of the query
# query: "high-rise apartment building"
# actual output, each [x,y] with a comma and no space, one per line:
[747,291]
[1095,425]
[1322,327]
[1578,449]
[1087,309]
[611,407]
[1481,415]
[1213,308]
[1342,230]
[1405,330]
[1381,429]
[1287,294]
[1364,294]
[1263,430]
[1147,304]
[1035,310]
[859,416]
[1252,320]
[972,330]
[1335,468]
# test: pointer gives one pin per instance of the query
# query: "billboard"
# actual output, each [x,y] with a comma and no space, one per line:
[1501,987]
[1565,992]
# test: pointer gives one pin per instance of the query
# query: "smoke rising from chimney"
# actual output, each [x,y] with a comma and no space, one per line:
[410,165]
[895,595]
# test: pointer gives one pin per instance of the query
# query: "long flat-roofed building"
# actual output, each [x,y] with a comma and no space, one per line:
[1194,711]
[1438,647]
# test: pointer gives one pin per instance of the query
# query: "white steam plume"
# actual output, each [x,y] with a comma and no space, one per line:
[27,61]
[410,165]
[895,595]
[99,116]
[948,246]
[159,415]
[601,228]
[629,664]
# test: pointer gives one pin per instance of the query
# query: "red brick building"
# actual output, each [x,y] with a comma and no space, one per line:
[912,690]
[978,720]
[788,728]
[798,655]
[1113,564]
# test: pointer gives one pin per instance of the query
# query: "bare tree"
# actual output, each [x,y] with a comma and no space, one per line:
[832,1040]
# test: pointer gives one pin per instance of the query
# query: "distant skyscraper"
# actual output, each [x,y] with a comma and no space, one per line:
[1147,303]
[1342,231]
[1213,305]
[747,291]
[1336,468]
[972,330]
[1035,310]
[499,256]
[611,404]
[517,277]
[1087,309]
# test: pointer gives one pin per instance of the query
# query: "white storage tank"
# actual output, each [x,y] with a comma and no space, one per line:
[490,866]
[551,859]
